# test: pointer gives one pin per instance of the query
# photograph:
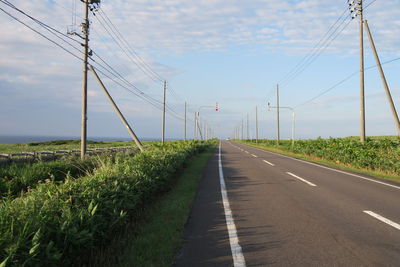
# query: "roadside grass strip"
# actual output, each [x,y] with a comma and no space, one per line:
[383,219]
[159,238]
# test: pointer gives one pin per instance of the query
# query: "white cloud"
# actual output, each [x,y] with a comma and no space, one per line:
[174,27]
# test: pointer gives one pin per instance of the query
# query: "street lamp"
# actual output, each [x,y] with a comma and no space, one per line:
[293,119]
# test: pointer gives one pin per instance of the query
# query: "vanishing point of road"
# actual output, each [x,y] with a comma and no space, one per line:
[258,208]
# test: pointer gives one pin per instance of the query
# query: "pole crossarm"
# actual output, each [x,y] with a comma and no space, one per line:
[281,108]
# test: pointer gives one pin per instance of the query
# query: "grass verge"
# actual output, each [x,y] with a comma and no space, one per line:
[159,237]
[326,162]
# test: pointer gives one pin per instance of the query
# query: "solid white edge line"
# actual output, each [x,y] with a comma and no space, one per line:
[237,255]
[383,219]
[331,169]
[301,179]
[269,163]
[254,155]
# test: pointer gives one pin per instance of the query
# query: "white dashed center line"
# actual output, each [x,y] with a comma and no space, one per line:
[383,219]
[301,179]
[269,163]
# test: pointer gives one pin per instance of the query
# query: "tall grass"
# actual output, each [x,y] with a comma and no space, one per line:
[62,224]
[18,178]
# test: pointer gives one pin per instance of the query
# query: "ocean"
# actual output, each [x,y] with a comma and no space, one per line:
[22,139]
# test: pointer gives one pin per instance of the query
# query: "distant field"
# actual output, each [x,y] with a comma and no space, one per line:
[58,145]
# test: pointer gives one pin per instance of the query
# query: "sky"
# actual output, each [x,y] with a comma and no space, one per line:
[227,51]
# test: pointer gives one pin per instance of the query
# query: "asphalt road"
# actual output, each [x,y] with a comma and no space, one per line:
[281,211]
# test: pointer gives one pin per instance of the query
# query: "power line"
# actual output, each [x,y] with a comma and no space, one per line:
[108,68]
[314,55]
[145,64]
[314,48]
[151,101]
[38,21]
[342,81]
[370,3]
[41,34]
[123,45]
[316,51]
[145,67]
[137,92]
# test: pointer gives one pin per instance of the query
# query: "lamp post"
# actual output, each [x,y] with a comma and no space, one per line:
[293,119]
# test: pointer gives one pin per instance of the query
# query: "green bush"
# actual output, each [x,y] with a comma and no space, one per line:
[16,178]
[61,224]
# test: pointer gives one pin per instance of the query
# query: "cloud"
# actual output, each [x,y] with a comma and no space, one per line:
[33,69]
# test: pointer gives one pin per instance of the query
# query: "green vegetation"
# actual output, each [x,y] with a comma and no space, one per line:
[67,223]
[378,155]
[159,239]
[58,145]
[17,178]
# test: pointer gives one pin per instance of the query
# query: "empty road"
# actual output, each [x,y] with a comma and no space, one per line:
[258,208]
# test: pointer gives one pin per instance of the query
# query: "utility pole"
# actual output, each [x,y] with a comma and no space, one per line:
[163,119]
[85,31]
[242,129]
[256,124]
[362,90]
[356,9]
[248,132]
[195,127]
[266,125]
[205,130]
[383,78]
[185,121]
[277,114]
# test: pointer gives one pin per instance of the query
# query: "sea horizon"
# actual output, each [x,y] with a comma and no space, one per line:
[22,139]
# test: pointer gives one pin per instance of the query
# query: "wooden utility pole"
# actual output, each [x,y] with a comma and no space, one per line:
[195,127]
[383,78]
[256,124]
[163,118]
[242,129]
[248,132]
[185,122]
[85,31]
[277,115]
[362,90]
